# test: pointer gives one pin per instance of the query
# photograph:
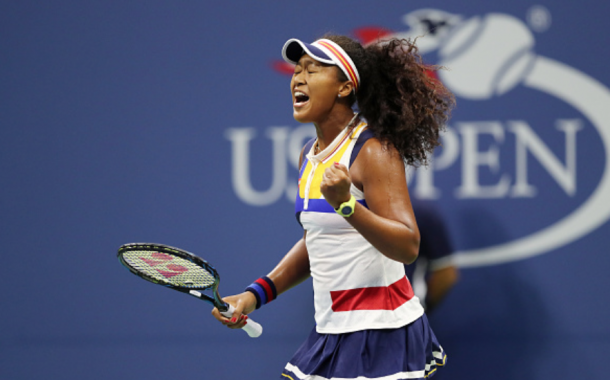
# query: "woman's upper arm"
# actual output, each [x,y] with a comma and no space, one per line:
[380,172]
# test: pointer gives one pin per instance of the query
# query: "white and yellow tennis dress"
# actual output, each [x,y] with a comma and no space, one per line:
[369,325]
[356,287]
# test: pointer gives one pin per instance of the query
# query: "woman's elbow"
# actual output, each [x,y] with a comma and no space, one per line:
[410,250]
[411,253]
[413,241]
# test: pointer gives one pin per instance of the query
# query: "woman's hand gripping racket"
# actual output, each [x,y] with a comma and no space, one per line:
[179,270]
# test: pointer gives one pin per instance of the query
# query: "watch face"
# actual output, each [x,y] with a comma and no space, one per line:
[346,210]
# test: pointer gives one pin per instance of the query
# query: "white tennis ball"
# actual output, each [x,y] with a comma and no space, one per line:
[486,56]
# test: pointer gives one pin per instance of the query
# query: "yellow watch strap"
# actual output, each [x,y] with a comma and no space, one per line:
[346,209]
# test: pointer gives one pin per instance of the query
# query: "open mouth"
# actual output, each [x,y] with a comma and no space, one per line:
[300,98]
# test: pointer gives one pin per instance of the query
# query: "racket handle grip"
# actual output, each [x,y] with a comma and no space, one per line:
[253,329]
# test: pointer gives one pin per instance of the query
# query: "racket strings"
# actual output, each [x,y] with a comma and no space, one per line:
[169,269]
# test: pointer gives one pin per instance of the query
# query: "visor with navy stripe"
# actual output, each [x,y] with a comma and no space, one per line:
[325,51]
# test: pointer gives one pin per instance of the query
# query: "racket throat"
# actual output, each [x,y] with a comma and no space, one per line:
[221,306]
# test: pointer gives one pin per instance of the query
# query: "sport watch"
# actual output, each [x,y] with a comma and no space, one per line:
[346,209]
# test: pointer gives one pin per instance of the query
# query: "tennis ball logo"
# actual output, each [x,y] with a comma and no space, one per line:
[486,56]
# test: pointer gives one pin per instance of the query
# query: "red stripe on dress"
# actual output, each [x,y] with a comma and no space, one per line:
[267,288]
[374,298]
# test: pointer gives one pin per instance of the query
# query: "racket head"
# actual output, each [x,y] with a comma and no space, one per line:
[168,266]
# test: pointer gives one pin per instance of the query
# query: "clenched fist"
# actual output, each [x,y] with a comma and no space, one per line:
[336,183]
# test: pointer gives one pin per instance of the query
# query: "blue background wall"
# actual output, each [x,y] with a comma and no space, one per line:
[116,120]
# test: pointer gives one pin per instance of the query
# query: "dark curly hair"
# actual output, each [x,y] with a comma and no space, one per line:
[401,103]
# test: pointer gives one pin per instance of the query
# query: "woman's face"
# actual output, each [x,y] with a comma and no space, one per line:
[314,88]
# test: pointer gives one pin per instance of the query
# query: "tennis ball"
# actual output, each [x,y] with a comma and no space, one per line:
[486,56]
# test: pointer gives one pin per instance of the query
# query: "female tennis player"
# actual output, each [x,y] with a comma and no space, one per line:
[354,206]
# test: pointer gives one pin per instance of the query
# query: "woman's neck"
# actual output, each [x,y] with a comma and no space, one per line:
[331,127]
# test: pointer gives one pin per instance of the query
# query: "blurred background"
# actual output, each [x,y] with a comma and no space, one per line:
[171,122]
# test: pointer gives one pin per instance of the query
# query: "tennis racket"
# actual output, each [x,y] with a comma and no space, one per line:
[180,270]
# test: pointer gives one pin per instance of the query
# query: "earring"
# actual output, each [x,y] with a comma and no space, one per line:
[338,96]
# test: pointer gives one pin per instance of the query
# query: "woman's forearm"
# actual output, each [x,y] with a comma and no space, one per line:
[292,269]
[390,237]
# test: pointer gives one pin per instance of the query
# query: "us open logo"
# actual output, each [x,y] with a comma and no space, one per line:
[490,59]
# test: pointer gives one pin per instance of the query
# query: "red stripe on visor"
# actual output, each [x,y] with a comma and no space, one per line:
[374,298]
[342,59]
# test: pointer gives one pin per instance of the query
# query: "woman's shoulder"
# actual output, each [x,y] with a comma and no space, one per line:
[376,159]
[375,151]
[306,148]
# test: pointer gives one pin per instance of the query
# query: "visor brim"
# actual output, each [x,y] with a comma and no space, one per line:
[294,49]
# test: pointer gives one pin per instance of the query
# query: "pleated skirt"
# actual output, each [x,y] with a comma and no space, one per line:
[409,352]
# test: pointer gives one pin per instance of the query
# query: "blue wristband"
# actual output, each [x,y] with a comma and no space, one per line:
[264,291]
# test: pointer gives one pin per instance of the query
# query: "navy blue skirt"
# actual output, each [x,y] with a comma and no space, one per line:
[409,352]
